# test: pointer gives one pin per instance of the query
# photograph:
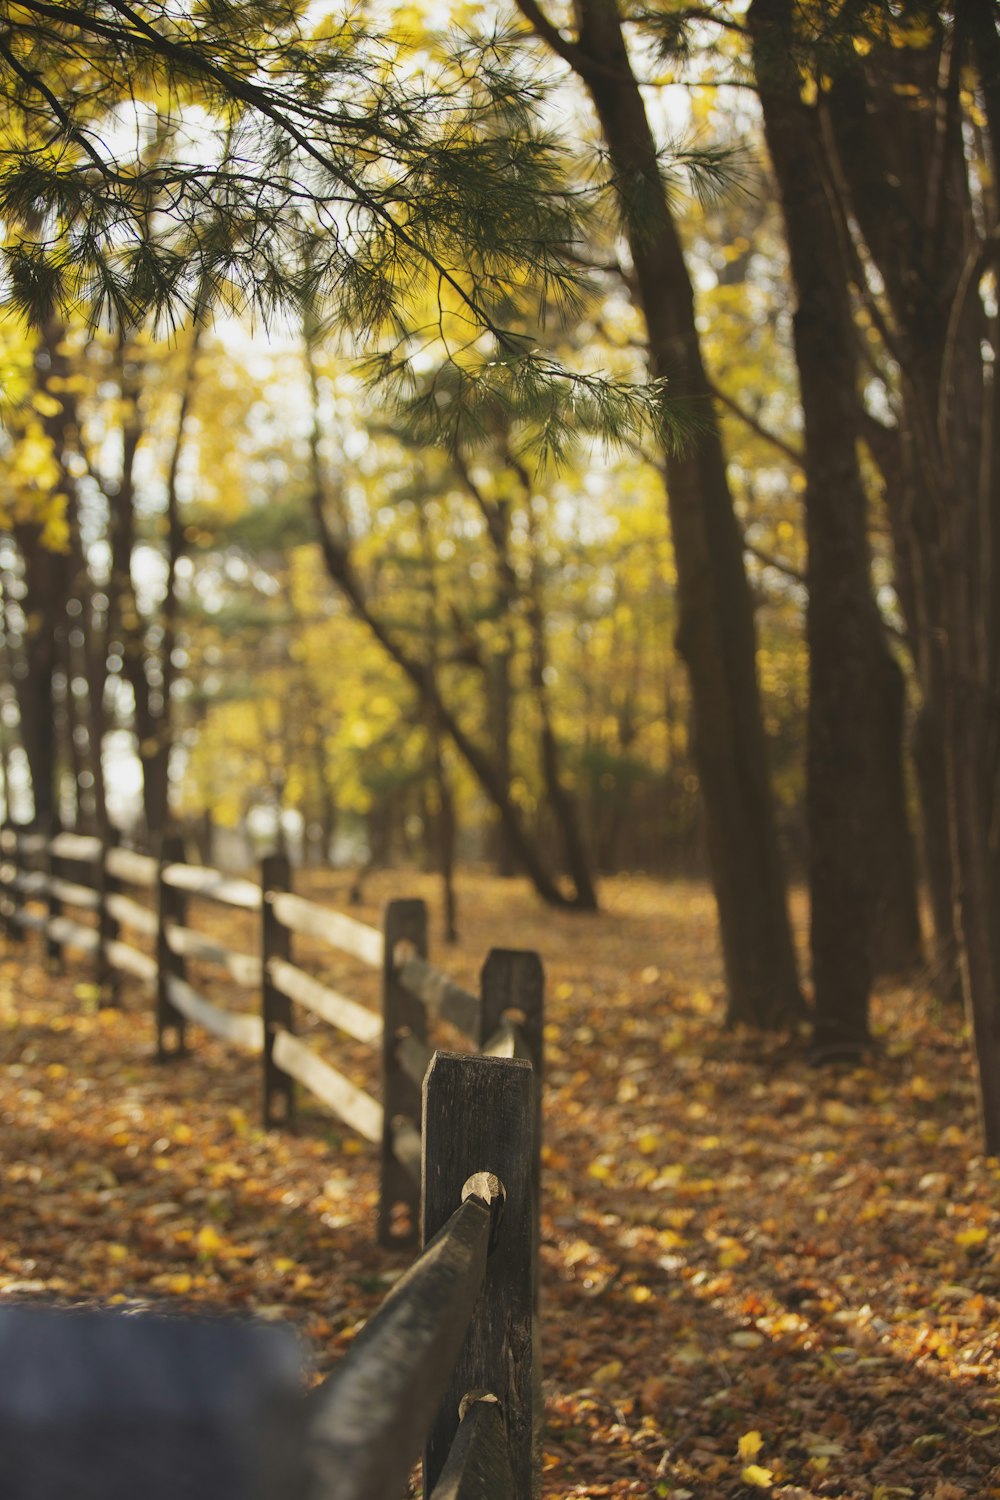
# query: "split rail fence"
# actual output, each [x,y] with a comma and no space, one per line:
[98,1403]
[130,912]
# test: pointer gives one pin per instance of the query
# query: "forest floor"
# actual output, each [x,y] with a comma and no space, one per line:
[757,1278]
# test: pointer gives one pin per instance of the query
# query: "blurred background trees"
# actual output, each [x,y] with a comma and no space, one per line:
[729,608]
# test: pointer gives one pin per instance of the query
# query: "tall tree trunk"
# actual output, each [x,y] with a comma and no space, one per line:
[716,634]
[905,176]
[849,668]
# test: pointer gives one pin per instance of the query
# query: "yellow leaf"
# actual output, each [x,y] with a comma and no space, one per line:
[178,1283]
[749,1446]
[183,1135]
[117,1253]
[761,1479]
[209,1241]
[640,1294]
[648,1142]
[606,1373]
[969,1237]
[601,1169]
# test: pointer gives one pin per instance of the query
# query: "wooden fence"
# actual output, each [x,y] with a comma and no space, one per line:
[130,911]
[101,1404]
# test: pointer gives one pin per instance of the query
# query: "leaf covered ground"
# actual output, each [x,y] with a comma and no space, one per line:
[757,1278]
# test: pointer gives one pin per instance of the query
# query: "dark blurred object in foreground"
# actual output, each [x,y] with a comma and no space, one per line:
[122,1406]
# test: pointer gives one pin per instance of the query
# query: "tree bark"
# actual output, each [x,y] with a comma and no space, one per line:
[903,174]
[716,634]
[852,687]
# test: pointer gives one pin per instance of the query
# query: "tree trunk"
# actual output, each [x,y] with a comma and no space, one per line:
[906,178]
[716,634]
[851,763]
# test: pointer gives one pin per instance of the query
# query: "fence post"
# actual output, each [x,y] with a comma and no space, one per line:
[171,1040]
[11,852]
[275,942]
[512,984]
[50,865]
[477,1118]
[402,1013]
[108,979]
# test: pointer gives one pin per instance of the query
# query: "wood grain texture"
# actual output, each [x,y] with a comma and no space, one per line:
[478,1466]
[370,1417]
[478,1118]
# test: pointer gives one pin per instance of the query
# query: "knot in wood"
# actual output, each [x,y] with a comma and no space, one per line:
[490,1191]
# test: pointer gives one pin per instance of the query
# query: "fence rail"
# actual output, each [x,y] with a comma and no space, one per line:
[447,1364]
[123,898]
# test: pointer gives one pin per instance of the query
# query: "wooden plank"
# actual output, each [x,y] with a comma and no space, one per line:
[132,960]
[30,843]
[370,1417]
[478,1466]
[333,927]
[441,995]
[199,880]
[239,1026]
[83,848]
[244,967]
[132,867]
[339,1094]
[130,913]
[31,919]
[70,934]
[346,1014]
[478,1119]
[402,1015]
[75,895]
[406,1144]
[507,1041]
[413,1057]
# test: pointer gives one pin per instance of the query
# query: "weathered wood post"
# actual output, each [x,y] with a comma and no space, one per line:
[275,942]
[108,978]
[171,906]
[512,990]
[402,1015]
[478,1120]
[50,865]
[512,995]
[9,842]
